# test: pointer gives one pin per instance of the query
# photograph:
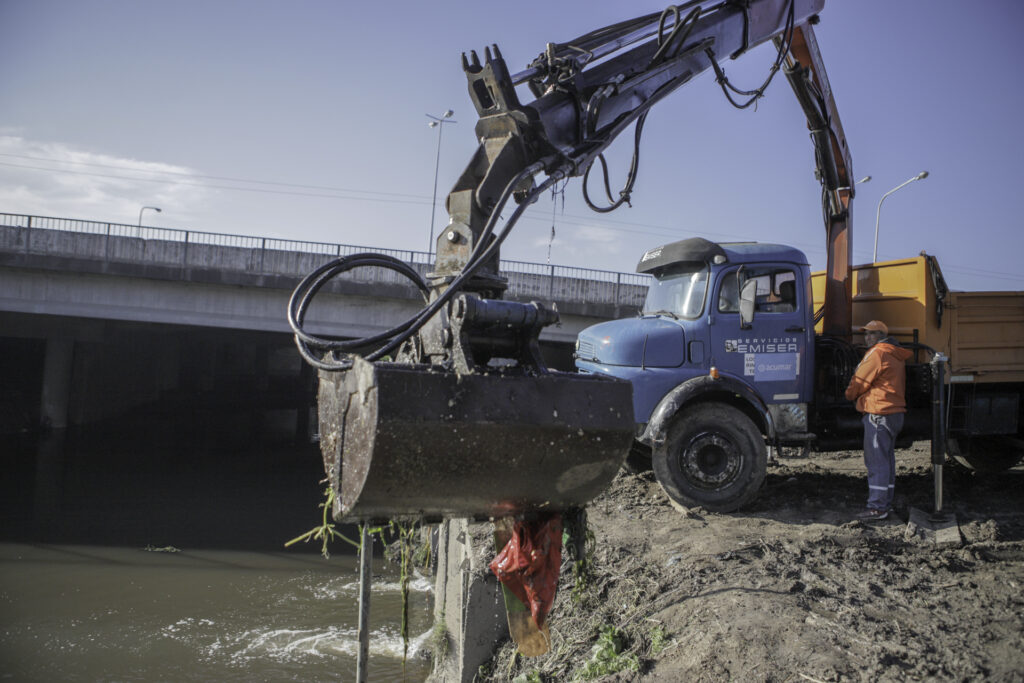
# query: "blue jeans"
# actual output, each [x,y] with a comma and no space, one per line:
[880,433]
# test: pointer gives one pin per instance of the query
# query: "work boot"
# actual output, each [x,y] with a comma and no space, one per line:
[873,515]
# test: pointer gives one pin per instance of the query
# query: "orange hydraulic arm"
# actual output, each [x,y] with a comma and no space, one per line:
[806,73]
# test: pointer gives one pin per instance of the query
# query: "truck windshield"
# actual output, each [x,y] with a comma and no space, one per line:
[678,291]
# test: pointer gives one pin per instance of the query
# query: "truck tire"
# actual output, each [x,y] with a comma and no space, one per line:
[713,457]
[988,453]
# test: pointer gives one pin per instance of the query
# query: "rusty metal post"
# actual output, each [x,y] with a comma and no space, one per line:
[365,580]
[938,429]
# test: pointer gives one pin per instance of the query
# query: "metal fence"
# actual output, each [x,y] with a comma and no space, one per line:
[270,255]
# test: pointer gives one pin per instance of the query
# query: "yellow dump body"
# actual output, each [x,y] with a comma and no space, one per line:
[981,332]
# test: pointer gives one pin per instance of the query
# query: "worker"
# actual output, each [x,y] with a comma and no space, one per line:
[879,388]
[787,297]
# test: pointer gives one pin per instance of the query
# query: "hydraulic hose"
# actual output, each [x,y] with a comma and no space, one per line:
[303,295]
[394,337]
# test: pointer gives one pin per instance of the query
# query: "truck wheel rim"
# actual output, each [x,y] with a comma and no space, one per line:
[710,461]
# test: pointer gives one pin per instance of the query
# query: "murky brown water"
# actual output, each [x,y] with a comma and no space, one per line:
[86,613]
[82,600]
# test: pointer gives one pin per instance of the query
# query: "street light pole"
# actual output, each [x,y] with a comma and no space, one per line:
[155,208]
[920,176]
[437,122]
[865,179]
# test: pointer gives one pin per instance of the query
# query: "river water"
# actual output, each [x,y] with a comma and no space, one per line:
[134,558]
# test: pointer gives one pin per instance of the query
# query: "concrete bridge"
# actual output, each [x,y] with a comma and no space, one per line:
[99,319]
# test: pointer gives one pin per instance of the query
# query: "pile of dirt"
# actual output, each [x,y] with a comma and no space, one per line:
[793,589]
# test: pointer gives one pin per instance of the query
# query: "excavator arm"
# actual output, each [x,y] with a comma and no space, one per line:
[590,90]
[440,431]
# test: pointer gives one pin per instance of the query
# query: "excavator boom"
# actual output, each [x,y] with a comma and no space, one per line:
[455,413]
[806,73]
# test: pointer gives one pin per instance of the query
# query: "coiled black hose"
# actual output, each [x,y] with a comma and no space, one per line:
[303,295]
[485,249]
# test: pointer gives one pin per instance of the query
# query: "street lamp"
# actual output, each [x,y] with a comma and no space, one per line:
[155,208]
[849,187]
[920,176]
[437,122]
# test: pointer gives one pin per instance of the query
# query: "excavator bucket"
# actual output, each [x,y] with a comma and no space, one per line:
[402,441]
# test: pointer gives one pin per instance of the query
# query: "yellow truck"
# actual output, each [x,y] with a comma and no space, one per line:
[982,335]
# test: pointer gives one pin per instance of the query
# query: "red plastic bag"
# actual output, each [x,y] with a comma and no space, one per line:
[529,564]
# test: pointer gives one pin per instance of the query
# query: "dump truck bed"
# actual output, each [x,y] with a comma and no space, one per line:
[987,336]
[981,332]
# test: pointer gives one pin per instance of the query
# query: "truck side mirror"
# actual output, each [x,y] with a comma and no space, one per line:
[748,294]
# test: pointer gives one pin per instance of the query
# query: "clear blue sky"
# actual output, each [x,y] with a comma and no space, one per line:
[110,105]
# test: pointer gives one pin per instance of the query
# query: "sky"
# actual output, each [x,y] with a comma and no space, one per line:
[308,120]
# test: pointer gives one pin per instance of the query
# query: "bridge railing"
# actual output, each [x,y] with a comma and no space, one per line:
[274,256]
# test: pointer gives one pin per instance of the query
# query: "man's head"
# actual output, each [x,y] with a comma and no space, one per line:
[874,332]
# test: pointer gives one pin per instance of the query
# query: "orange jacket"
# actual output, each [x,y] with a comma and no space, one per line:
[879,382]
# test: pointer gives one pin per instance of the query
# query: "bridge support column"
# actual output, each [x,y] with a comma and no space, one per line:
[56,394]
[468,601]
[53,417]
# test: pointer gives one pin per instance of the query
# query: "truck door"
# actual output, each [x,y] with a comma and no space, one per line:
[769,353]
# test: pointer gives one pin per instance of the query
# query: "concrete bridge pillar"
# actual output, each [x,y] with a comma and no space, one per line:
[53,417]
[467,601]
[56,394]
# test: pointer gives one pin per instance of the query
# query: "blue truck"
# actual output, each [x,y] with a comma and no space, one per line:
[725,363]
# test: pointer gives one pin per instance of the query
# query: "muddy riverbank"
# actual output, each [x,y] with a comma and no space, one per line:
[794,588]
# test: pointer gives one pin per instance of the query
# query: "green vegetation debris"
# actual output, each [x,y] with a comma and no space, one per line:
[326,531]
[659,639]
[608,656]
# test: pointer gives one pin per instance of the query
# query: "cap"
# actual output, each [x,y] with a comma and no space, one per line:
[876,326]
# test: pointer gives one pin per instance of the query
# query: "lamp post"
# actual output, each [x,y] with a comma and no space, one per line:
[155,208]
[849,187]
[920,176]
[436,122]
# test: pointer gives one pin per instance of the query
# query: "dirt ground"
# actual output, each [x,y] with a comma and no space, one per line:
[792,589]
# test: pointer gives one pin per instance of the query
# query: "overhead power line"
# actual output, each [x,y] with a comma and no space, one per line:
[135,169]
[392,198]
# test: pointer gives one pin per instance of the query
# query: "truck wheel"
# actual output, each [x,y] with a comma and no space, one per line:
[988,453]
[713,456]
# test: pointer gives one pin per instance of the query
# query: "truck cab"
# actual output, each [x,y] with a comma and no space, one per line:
[721,360]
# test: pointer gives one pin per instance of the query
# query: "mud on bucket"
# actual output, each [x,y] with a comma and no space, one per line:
[404,441]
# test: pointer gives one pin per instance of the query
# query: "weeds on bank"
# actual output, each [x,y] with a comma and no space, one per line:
[440,639]
[579,544]
[608,656]
[600,625]
[659,639]
[613,652]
